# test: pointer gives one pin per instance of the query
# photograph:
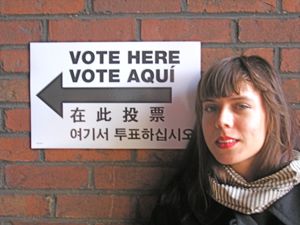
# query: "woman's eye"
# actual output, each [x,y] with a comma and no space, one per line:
[242,106]
[210,108]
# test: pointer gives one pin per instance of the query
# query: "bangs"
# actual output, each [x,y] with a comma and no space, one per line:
[223,80]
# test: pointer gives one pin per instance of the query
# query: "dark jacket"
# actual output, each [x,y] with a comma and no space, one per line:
[285,211]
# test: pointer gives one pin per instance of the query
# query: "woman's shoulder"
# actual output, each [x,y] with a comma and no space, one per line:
[288,206]
[293,194]
[181,213]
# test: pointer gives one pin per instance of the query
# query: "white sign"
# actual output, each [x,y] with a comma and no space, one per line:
[113,94]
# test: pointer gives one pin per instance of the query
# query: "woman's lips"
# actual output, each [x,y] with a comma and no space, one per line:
[226,142]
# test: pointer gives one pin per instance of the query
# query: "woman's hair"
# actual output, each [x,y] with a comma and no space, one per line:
[222,80]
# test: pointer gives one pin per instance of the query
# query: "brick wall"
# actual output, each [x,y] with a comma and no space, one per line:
[103,187]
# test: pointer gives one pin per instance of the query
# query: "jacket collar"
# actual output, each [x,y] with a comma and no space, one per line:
[285,209]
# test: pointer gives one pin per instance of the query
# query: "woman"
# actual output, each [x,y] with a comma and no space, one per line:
[240,165]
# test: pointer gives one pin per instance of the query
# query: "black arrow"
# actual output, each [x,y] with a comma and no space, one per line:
[54,95]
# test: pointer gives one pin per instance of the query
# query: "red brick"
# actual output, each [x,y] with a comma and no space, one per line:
[14,60]
[291,6]
[92,30]
[266,53]
[136,6]
[17,149]
[34,176]
[41,7]
[83,155]
[290,60]
[159,156]
[231,6]
[212,55]
[269,30]
[96,206]
[204,30]
[291,88]
[23,205]
[17,119]
[14,91]
[19,32]
[114,177]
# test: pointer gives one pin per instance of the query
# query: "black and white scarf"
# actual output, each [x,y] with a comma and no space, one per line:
[255,197]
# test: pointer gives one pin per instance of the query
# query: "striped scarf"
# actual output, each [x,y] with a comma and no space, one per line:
[255,197]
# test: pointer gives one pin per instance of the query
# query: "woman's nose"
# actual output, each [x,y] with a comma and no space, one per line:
[225,118]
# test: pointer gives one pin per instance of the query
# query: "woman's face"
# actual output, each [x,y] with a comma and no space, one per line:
[234,128]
